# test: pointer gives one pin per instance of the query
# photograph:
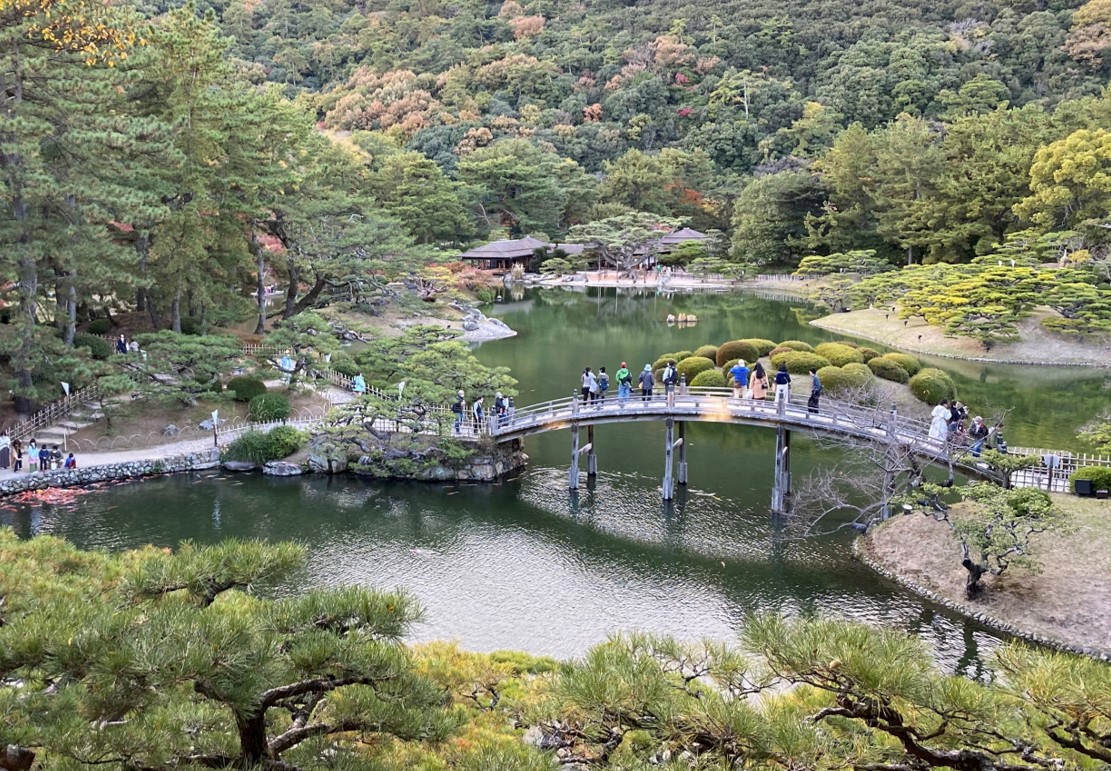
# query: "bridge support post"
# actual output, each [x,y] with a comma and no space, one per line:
[573,474]
[667,490]
[591,458]
[781,485]
[681,478]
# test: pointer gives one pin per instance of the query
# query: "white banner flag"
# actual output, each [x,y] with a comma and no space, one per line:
[65,387]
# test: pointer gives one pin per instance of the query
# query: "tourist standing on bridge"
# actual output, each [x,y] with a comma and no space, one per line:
[978,432]
[499,408]
[459,409]
[624,384]
[670,377]
[478,414]
[758,382]
[603,384]
[647,381]
[815,392]
[740,374]
[939,421]
[589,384]
[782,384]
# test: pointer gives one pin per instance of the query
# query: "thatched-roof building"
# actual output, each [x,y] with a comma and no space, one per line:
[502,255]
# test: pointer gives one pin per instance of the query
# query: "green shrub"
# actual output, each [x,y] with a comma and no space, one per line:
[762,346]
[345,364]
[707,351]
[191,325]
[246,388]
[796,345]
[214,385]
[884,367]
[710,378]
[799,362]
[728,366]
[662,361]
[1100,476]
[99,326]
[680,355]
[259,447]
[98,347]
[932,385]
[869,354]
[906,361]
[858,374]
[840,354]
[834,379]
[737,349]
[268,407]
[692,365]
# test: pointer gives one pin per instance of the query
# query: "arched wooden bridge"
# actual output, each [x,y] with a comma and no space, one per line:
[717,405]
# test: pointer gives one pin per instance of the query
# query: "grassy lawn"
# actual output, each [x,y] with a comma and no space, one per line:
[1069,600]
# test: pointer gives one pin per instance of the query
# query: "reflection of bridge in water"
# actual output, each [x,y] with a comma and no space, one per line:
[717,405]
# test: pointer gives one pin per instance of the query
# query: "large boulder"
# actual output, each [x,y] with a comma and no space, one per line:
[326,463]
[281,468]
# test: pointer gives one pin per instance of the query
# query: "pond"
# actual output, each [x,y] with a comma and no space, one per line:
[526,565]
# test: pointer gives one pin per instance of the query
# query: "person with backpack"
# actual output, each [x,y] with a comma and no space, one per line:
[815,392]
[740,374]
[459,408]
[499,408]
[603,384]
[670,377]
[647,381]
[782,384]
[624,383]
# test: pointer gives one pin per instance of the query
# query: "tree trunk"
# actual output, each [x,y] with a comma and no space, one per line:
[310,297]
[142,246]
[291,290]
[260,285]
[972,586]
[252,739]
[175,309]
[71,309]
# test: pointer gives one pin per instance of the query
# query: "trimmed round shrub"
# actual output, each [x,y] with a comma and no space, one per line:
[858,374]
[98,347]
[869,354]
[707,351]
[799,362]
[796,345]
[884,367]
[99,326]
[834,379]
[1099,476]
[932,385]
[709,378]
[246,388]
[762,345]
[840,354]
[737,349]
[215,385]
[906,361]
[661,362]
[259,447]
[680,355]
[728,366]
[692,365]
[268,407]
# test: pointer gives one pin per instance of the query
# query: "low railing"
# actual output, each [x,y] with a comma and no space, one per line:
[54,412]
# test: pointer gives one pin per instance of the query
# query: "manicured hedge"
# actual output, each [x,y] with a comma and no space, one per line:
[661,362]
[692,365]
[888,369]
[906,361]
[932,385]
[99,326]
[707,351]
[762,345]
[1100,476]
[840,354]
[869,354]
[799,362]
[737,349]
[98,347]
[710,378]
[858,374]
[796,345]
[680,355]
[259,447]
[834,379]
[246,388]
[267,407]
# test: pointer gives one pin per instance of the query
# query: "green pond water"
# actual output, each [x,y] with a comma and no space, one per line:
[524,564]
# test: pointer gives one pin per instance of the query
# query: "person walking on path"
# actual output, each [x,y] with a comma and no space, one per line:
[478,414]
[647,381]
[603,384]
[939,421]
[32,456]
[5,450]
[815,392]
[624,384]
[758,382]
[121,344]
[740,374]
[782,385]
[589,385]
[459,409]
[358,385]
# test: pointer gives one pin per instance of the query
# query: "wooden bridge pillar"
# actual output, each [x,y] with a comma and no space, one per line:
[591,458]
[681,478]
[781,485]
[668,488]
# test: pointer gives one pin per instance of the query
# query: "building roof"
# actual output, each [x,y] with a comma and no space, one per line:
[504,250]
[679,236]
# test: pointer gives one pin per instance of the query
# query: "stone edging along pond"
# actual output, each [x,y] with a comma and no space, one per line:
[860,553]
[134,469]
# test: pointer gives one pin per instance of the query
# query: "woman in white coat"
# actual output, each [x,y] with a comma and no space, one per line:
[939,421]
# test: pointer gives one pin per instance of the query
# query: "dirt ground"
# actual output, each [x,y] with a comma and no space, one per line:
[1070,600]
